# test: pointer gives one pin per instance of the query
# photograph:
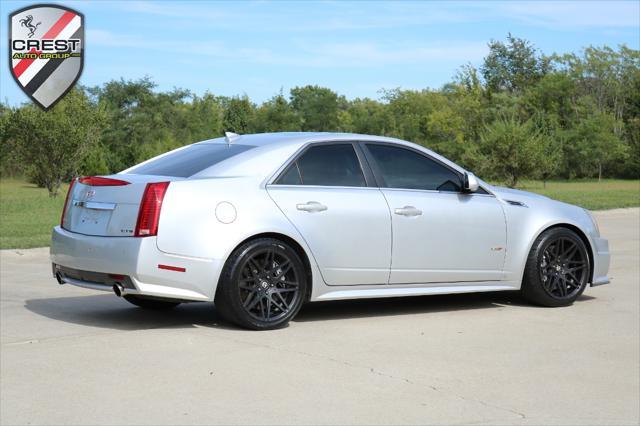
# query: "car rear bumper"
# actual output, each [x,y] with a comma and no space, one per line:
[139,259]
[601,260]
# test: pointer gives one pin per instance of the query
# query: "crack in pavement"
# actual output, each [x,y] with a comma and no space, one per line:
[371,370]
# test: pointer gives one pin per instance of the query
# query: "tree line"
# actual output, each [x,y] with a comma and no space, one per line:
[520,114]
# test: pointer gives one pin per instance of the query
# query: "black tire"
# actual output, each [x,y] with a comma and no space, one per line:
[263,285]
[557,270]
[149,303]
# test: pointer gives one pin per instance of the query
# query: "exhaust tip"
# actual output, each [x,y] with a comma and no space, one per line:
[59,278]
[118,290]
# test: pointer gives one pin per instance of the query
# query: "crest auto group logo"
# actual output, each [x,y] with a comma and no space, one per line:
[46,51]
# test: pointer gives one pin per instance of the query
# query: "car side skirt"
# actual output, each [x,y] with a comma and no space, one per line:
[415,290]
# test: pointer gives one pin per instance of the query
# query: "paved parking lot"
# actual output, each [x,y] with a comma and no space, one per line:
[73,356]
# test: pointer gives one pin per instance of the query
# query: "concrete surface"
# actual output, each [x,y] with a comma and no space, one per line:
[73,356]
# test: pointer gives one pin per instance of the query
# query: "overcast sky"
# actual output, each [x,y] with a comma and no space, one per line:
[355,48]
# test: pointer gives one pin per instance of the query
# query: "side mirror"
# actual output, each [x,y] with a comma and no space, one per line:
[471,183]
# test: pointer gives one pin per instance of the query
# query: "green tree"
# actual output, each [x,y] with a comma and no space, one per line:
[631,168]
[238,115]
[369,117]
[10,164]
[513,149]
[513,66]
[552,142]
[55,143]
[276,115]
[631,119]
[205,117]
[592,145]
[409,110]
[607,84]
[141,122]
[555,96]
[317,107]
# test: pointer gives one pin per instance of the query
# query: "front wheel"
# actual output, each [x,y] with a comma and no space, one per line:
[262,286]
[557,269]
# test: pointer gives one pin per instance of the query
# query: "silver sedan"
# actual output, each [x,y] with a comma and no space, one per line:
[260,224]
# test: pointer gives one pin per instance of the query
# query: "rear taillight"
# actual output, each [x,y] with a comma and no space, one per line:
[102,181]
[149,213]
[66,202]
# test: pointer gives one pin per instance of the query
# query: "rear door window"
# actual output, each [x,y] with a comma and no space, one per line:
[190,160]
[325,165]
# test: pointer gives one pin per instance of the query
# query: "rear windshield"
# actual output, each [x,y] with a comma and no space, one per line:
[189,161]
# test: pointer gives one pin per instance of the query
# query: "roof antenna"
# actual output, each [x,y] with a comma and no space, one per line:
[230,137]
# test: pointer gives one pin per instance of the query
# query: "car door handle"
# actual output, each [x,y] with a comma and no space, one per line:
[408,211]
[311,207]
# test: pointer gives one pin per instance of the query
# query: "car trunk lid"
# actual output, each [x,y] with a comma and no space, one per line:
[107,206]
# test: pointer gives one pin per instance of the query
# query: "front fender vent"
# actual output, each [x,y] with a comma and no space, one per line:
[516,203]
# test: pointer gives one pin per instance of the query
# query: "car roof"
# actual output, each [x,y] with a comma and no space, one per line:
[298,138]
[273,142]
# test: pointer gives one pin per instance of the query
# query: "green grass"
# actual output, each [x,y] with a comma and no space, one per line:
[590,194]
[27,214]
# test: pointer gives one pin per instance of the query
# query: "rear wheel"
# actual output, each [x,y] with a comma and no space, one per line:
[262,286]
[149,303]
[557,269]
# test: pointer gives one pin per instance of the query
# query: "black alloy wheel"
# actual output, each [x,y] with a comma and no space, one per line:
[558,268]
[563,268]
[269,285]
[263,285]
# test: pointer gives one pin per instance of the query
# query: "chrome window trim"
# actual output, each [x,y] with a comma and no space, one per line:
[288,186]
[364,165]
[433,191]
[377,173]
[359,149]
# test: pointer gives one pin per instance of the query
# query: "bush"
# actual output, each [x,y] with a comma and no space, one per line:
[54,145]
